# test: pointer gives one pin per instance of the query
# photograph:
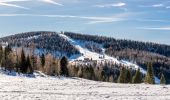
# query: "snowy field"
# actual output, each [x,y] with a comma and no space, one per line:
[50,88]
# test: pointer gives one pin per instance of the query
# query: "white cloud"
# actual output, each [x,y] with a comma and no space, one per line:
[151,20]
[91,19]
[106,20]
[120,4]
[7,3]
[95,19]
[52,2]
[12,5]
[8,15]
[165,28]
[157,5]
[168,7]
[13,0]
[154,6]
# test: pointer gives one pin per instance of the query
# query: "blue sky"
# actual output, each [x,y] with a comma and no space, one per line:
[144,20]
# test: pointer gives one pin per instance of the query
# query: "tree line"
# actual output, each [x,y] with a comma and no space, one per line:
[23,62]
[115,73]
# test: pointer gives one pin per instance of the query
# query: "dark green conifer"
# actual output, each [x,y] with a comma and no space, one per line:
[149,78]
[162,80]
[128,76]
[42,60]
[23,66]
[122,76]
[28,64]
[138,77]
[63,66]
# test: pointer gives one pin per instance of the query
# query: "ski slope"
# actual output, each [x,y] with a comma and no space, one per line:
[42,87]
[80,45]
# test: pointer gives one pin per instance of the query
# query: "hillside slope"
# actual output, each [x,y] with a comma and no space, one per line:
[140,53]
[85,53]
[78,47]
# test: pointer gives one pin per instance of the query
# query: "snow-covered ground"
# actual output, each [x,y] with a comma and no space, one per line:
[51,88]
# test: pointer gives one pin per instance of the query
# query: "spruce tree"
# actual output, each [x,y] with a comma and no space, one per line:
[5,56]
[162,80]
[149,78]
[33,61]
[1,53]
[63,66]
[23,67]
[28,64]
[128,76]
[138,77]
[102,75]
[42,60]
[122,76]
[7,51]
[88,72]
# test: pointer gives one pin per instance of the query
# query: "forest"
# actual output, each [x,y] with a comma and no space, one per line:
[48,64]
[49,41]
[136,51]
[141,53]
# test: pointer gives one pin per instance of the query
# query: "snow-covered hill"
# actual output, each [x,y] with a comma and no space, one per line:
[43,87]
[85,53]
[80,45]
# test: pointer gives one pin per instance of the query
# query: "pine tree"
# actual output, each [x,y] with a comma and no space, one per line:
[5,56]
[63,66]
[42,60]
[7,51]
[128,76]
[138,77]
[149,78]
[33,61]
[88,72]
[28,64]
[122,76]
[23,62]
[3,61]
[1,53]
[162,80]
[102,76]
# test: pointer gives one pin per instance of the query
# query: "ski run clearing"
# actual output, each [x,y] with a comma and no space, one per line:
[80,45]
[42,87]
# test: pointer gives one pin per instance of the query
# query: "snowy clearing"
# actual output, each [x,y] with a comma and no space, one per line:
[51,88]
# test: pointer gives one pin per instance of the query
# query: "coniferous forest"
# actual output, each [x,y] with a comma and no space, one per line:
[20,55]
